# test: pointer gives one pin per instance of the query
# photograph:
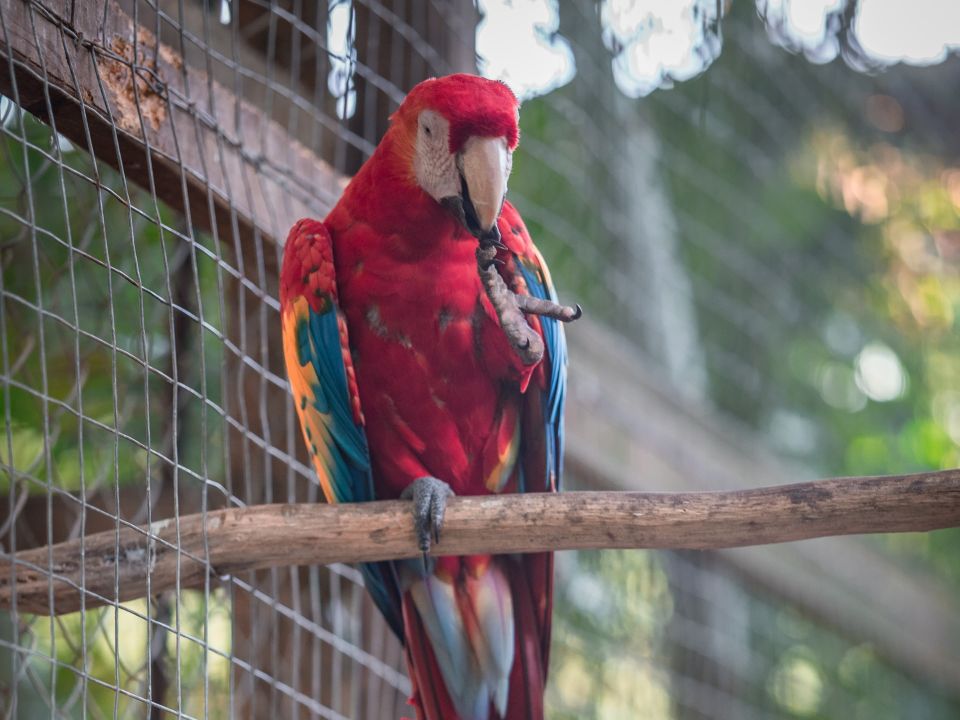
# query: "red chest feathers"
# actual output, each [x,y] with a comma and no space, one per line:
[436,398]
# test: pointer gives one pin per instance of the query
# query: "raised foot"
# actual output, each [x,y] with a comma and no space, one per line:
[512,308]
[429,497]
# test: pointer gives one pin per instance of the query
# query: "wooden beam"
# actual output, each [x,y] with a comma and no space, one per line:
[132,102]
[181,553]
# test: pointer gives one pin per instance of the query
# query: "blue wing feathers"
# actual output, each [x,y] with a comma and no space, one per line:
[351,473]
[556,350]
[319,344]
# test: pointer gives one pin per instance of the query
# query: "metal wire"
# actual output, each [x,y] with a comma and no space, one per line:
[176,391]
[142,380]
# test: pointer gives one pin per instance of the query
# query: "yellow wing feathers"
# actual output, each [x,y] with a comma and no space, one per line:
[304,385]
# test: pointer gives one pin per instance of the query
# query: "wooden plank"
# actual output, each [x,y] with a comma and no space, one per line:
[239,171]
[239,539]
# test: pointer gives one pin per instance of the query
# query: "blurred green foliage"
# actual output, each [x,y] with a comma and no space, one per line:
[78,246]
[88,359]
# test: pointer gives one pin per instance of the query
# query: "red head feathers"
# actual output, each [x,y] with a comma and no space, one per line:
[473,106]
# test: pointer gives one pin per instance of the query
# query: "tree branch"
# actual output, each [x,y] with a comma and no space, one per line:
[278,535]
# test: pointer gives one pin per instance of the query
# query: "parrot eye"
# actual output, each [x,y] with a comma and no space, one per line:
[426,129]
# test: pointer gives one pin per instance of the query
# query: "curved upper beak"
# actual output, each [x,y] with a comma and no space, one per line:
[485,164]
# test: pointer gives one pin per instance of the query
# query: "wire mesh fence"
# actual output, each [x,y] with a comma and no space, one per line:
[141,382]
[723,227]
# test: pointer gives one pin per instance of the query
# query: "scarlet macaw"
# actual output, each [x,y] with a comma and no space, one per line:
[415,375]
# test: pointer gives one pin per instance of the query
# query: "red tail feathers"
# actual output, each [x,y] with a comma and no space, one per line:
[530,579]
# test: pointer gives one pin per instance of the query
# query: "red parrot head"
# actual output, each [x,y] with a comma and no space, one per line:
[461,131]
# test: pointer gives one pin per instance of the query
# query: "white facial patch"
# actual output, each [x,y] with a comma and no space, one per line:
[434,165]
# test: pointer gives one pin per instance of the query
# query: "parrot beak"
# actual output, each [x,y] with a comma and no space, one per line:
[484,165]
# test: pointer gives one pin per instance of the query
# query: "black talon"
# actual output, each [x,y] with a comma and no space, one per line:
[492,237]
[578,313]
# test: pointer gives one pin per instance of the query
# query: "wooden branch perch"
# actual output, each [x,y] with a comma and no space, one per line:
[239,539]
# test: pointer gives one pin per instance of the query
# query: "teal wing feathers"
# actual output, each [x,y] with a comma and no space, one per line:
[555,343]
[532,276]
[323,384]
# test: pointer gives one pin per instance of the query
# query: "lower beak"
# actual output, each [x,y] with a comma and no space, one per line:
[483,164]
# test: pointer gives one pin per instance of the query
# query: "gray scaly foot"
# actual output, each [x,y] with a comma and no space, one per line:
[429,497]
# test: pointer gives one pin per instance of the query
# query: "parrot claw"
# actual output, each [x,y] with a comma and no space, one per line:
[429,497]
[494,239]
[511,306]
[491,238]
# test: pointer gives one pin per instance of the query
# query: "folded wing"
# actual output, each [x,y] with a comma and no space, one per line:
[323,384]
